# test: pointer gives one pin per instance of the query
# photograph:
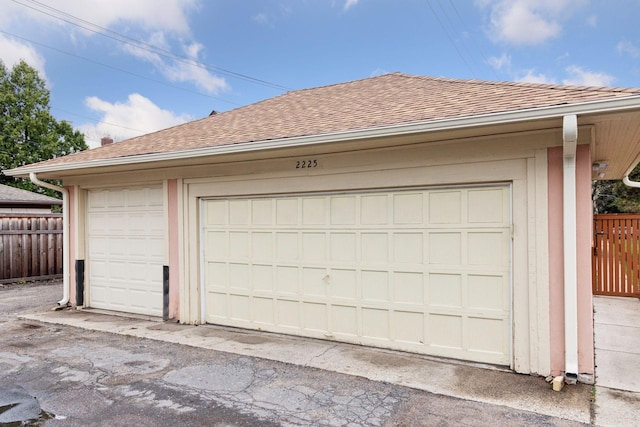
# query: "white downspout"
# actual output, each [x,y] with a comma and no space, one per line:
[626,180]
[65,230]
[570,141]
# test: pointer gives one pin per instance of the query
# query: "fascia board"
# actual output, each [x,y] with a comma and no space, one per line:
[557,111]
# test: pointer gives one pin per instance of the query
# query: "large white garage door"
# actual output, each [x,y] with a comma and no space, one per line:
[425,271]
[125,247]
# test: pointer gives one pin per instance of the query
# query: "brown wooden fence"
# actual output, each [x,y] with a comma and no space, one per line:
[30,246]
[616,255]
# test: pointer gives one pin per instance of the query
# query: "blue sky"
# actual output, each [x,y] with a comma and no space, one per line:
[126,67]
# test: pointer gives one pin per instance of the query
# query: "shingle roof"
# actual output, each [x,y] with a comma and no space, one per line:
[387,100]
[14,195]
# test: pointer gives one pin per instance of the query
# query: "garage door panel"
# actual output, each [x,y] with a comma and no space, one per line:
[409,270]
[288,314]
[408,288]
[262,278]
[408,209]
[345,321]
[343,248]
[264,311]
[262,246]
[238,212]
[375,248]
[445,290]
[487,206]
[287,211]
[487,292]
[375,286]
[125,249]
[374,210]
[287,246]
[344,284]
[445,207]
[408,248]
[409,327]
[314,247]
[314,282]
[343,210]
[487,249]
[287,280]
[314,211]
[445,248]
[315,317]
[375,324]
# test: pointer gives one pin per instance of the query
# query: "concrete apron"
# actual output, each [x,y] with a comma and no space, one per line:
[475,382]
[617,347]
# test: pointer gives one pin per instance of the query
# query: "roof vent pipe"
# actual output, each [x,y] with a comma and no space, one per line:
[65,230]
[570,141]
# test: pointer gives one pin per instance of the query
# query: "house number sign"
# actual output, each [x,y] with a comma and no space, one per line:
[306,164]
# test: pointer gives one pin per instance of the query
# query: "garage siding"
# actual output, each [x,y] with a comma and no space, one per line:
[125,249]
[426,271]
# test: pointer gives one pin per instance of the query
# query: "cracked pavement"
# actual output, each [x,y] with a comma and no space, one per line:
[89,378]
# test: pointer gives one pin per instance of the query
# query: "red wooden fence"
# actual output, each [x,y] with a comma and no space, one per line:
[616,255]
[30,246]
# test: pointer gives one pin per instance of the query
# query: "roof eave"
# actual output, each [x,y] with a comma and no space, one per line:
[550,112]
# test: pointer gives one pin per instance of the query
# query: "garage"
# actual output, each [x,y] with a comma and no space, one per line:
[424,270]
[125,249]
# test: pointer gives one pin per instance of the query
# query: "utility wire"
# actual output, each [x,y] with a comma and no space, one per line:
[480,50]
[124,39]
[102,64]
[446,32]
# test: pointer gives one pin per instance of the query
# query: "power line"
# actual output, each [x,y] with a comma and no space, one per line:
[451,40]
[480,50]
[102,64]
[124,39]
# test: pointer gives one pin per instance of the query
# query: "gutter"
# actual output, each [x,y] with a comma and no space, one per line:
[65,230]
[569,226]
[553,112]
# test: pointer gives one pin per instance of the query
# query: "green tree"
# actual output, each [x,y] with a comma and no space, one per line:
[616,197]
[28,131]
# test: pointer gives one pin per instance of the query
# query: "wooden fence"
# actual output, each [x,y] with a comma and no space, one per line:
[30,247]
[616,255]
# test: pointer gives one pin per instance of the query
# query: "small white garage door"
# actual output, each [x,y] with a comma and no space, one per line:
[125,248]
[426,271]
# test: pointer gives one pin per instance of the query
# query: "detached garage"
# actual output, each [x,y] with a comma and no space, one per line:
[434,216]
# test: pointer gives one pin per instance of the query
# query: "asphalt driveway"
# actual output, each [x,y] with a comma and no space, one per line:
[83,377]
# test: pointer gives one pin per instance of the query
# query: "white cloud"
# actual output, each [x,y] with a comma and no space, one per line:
[12,51]
[261,18]
[181,69]
[628,48]
[136,116]
[530,76]
[171,16]
[500,62]
[165,27]
[581,77]
[527,22]
[350,3]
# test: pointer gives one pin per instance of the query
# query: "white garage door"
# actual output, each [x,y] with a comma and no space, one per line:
[125,247]
[426,271]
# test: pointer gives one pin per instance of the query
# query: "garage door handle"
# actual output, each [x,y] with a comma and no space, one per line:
[327,279]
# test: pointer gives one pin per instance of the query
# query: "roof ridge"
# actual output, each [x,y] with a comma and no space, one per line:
[522,84]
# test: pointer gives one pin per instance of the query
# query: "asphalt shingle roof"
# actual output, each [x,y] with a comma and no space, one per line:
[10,194]
[391,99]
